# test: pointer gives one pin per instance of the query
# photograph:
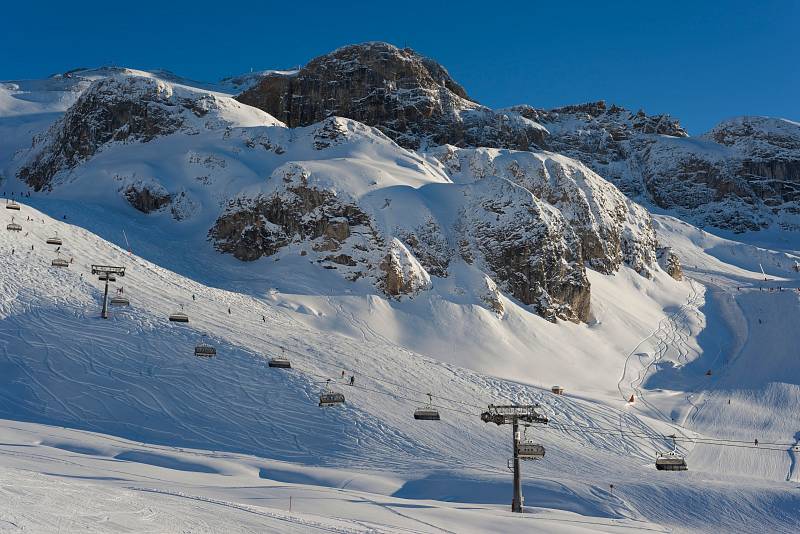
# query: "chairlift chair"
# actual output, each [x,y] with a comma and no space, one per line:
[671,460]
[119,300]
[427,412]
[12,206]
[328,397]
[528,450]
[13,227]
[55,240]
[107,277]
[59,262]
[280,362]
[204,350]
[179,316]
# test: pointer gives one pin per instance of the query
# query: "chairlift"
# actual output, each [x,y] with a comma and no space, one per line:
[280,362]
[527,449]
[55,240]
[59,262]
[13,227]
[107,277]
[427,412]
[179,316]
[328,397]
[204,350]
[671,460]
[12,205]
[120,300]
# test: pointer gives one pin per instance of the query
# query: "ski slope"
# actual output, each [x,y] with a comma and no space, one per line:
[82,398]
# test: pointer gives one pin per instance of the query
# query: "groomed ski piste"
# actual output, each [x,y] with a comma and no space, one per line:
[114,424]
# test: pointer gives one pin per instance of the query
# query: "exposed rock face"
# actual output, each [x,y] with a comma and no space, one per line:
[146,198]
[612,229]
[670,263]
[255,227]
[118,109]
[527,246]
[410,98]
[743,175]
[112,109]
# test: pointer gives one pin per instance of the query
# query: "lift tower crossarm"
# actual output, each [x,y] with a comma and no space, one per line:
[514,414]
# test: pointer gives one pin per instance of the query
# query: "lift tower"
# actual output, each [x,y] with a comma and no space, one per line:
[514,415]
[108,273]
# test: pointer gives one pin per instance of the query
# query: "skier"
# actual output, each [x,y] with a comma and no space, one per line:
[229,310]
[342,374]
[352,379]
[12,251]
[263,319]
[756,442]
[192,296]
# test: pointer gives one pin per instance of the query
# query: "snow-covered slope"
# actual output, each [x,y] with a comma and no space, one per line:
[134,376]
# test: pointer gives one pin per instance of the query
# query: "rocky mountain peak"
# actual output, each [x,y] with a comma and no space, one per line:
[410,98]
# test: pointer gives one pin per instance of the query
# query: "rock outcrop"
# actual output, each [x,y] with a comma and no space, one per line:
[670,263]
[611,228]
[742,175]
[410,98]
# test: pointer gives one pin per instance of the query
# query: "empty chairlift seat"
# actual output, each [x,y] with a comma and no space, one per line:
[12,206]
[55,240]
[107,277]
[13,227]
[671,461]
[179,317]
[119,300]
[328,397]
[280,362]
[59,262]
[204,350]
[528,450]
[427,412]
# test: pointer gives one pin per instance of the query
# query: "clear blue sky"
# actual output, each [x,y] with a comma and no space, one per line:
[701,61]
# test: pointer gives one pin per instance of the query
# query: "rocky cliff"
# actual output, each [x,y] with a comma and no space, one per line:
[410,98]
[743,175]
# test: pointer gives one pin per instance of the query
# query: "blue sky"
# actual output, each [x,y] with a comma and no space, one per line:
[700,61]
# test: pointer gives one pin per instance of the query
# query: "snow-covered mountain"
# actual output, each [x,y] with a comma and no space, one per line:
[387,228]
[343,195]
